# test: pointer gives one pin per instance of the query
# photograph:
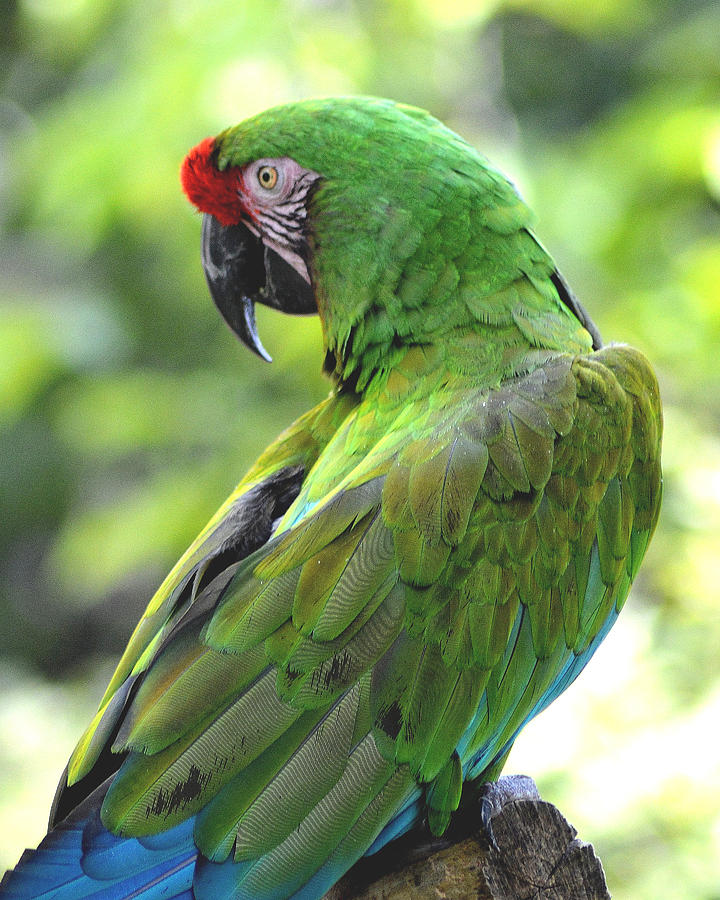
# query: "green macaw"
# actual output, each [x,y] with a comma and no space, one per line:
[411,571]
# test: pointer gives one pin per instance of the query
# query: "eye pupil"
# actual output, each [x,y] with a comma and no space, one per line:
[268,176]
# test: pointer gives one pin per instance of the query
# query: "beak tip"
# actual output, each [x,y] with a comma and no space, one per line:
[247,332]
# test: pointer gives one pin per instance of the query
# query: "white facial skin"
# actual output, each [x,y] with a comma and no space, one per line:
[273,194]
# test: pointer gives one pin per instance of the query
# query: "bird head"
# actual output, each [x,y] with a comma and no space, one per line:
[371,213]
[315,206]
[254,239]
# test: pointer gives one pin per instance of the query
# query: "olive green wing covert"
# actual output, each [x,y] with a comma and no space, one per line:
[518,527]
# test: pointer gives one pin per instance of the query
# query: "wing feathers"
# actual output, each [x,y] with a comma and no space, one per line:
[167,787]
[190,684]
[217,823]
[251,610]
[308,776]
[288,866]
[412,612]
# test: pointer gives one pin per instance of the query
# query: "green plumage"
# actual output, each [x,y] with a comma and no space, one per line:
[477,494]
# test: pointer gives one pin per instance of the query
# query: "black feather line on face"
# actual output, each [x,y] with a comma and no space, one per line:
[286,223]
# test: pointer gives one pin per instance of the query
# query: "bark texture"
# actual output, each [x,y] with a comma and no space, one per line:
[521,848]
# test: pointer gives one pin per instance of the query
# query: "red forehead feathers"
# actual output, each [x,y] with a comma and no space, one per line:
[206,187]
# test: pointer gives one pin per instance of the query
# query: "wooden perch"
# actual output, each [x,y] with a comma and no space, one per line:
[536,856]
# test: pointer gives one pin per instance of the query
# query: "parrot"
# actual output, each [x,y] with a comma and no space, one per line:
[411,571]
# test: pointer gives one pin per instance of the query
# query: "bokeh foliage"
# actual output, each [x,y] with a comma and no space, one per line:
[128,411]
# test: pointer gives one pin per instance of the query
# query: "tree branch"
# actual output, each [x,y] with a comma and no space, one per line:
[519,847]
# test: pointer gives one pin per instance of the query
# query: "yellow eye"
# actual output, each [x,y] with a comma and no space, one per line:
[267,176]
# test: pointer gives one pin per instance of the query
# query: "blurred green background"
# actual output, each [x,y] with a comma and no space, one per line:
[128,411]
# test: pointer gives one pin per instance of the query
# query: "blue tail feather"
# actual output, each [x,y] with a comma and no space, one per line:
[81,859]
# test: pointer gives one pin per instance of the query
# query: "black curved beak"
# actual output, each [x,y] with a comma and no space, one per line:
[241,271]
